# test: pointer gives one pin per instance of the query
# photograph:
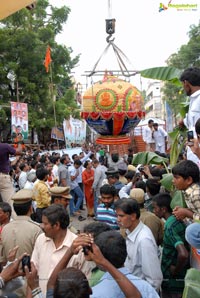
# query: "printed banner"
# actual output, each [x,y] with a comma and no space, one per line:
[19,119]
[74,131]
[57,133]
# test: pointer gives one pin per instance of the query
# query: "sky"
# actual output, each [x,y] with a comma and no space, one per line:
[145,35]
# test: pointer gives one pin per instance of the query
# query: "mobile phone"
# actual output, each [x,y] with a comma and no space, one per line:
[26,261]
[86,249]
[190,135]
[141,169]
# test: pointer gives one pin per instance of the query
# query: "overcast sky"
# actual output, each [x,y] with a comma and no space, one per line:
[147,37]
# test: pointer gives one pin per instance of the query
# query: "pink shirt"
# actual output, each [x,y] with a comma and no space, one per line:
[46,256]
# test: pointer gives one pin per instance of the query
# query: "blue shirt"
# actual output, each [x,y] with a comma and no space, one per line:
[108,216]
[108,287]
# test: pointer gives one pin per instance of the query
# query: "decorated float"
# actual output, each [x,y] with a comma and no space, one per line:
[112,107]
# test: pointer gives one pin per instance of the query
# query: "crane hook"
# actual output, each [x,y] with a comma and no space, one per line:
[108,38]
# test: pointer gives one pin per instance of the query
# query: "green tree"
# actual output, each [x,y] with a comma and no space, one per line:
[24,37]
[188,55]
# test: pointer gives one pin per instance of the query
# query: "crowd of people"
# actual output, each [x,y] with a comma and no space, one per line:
[136,243]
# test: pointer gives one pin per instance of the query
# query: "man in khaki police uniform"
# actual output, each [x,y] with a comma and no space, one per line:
[22,231]
[61,195]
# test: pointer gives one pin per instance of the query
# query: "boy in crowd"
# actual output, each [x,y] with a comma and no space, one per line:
[186,178]
[106,211]
[175,255]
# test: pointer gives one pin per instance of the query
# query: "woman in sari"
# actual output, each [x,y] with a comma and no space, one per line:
[88,179]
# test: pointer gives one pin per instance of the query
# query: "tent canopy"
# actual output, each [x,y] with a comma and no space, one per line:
[8,7]
[156,120]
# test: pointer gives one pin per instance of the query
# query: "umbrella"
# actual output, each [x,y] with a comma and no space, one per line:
[11,6]
[156,120]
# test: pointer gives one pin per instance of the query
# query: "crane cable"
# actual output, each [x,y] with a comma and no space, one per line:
[119,54]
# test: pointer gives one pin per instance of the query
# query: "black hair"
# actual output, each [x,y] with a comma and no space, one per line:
[130,174]
[92,156]
[95,161]
[122,172]
[197,127]
[150,121]
[153,186]
[116,176]
[6,208]
[128,206]
[192,75]
[95,228]
[86,163]
[130,150]
[41,172]
[62,159]
[77,162]
[43,159]
[22,166]
[108,190]
[141,184]
[115,157]
[71,283]
[163,200]
[57,213]
[186,169]
[74,155]
[55,159]
[113,247]
[156,172]
[22,209]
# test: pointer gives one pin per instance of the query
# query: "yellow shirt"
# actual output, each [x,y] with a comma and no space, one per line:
[41,194]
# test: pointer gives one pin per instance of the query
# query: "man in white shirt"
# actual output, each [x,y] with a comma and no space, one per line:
[160,138]
[142,252]
[56,162]
[99,175]
[75,189]
[23,175]
[147,135]
[82,157]
[190,79]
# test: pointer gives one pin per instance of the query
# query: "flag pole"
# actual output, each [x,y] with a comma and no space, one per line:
[53,98]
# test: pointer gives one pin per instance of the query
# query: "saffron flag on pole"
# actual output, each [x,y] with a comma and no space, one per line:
[47,60]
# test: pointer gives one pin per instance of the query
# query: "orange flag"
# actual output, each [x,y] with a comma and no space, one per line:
[47,60]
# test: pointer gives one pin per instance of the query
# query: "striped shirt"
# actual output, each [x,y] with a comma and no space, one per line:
[192,199]
[108,216]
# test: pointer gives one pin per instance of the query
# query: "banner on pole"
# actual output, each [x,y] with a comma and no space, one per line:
[19,119]
[74,131]
[57,133]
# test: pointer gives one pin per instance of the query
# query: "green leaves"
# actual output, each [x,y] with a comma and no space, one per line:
[146,158]
[178,200]
[166,181]
[167,73]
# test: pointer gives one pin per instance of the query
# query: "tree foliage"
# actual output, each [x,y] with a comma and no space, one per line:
[187,56]
[24,37]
